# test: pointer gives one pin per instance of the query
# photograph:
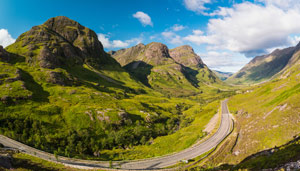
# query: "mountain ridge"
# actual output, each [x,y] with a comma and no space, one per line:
[265,67]
[156,66]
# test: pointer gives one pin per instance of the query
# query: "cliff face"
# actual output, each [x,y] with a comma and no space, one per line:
[59,42]
[186,56]
[179,69]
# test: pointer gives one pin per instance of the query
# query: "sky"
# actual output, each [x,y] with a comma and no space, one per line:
[225,34]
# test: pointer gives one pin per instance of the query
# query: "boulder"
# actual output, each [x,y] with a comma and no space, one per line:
[47,59]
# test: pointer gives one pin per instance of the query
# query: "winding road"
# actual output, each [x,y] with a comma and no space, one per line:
[146,164]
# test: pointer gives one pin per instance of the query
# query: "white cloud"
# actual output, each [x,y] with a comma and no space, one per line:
[152,37]
[5,38]
[197,32]
[104,39]
[177,27]
[143,18]
[250,28]
[176,40]
[283,4]
[171,37]
[168,34]
[196,5]
[224,61]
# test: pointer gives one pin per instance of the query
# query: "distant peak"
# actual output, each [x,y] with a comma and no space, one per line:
[156,49]
[60,20]
[140,44]
[185,47]
[156,44]
[186,56]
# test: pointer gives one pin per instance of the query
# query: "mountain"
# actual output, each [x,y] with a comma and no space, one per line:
[62,93]
[186,56]
[61,42]
[265,67]
[223,75]
[266,133]
[177,71]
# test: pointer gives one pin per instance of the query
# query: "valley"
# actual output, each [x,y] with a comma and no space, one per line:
[66,103]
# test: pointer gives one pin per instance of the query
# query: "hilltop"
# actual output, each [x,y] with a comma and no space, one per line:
[178,71]
[265,67]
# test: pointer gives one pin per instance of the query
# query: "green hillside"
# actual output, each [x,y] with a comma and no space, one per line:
[267,116]
[62,93]
[263,68]
[176,72]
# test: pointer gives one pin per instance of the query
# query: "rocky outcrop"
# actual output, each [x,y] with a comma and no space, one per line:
[186,56]
[152,54]
[47,59]
[59,78]
[60,42]
[79,36]
[4,56]
[156,53]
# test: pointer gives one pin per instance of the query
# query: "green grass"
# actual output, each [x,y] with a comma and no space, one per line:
[267,117]
[66,117]
[100,111]
[178,141]
[25,162]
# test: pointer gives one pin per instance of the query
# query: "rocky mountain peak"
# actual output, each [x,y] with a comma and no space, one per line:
[186,56]
[61,41]
[157,50]
[185,47]
[80,36]
[66,27]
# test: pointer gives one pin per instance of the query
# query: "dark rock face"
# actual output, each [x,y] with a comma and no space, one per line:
[62,41]
[58,78]
[47,59]
[157,52]
[6,161]
[79,36]
[4,56]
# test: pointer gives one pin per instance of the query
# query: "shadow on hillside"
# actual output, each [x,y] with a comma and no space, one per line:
[14,58]
[135,117]
[190,74]
[140,71]
[38,93]
[102,82]
[268,69]
[29,165]
[271,158]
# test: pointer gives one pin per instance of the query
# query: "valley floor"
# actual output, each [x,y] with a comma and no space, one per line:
[155,163]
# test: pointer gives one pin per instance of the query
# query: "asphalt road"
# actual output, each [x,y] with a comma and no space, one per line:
[147,164]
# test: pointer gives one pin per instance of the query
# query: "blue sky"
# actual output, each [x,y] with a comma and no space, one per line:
[226,34]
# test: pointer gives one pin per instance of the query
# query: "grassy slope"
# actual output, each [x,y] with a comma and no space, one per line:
[266,117]
[178,141]
[24,162]
[82,118]
[61,109]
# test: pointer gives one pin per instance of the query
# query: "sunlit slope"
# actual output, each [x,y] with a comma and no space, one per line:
[267,116]
[263,68]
